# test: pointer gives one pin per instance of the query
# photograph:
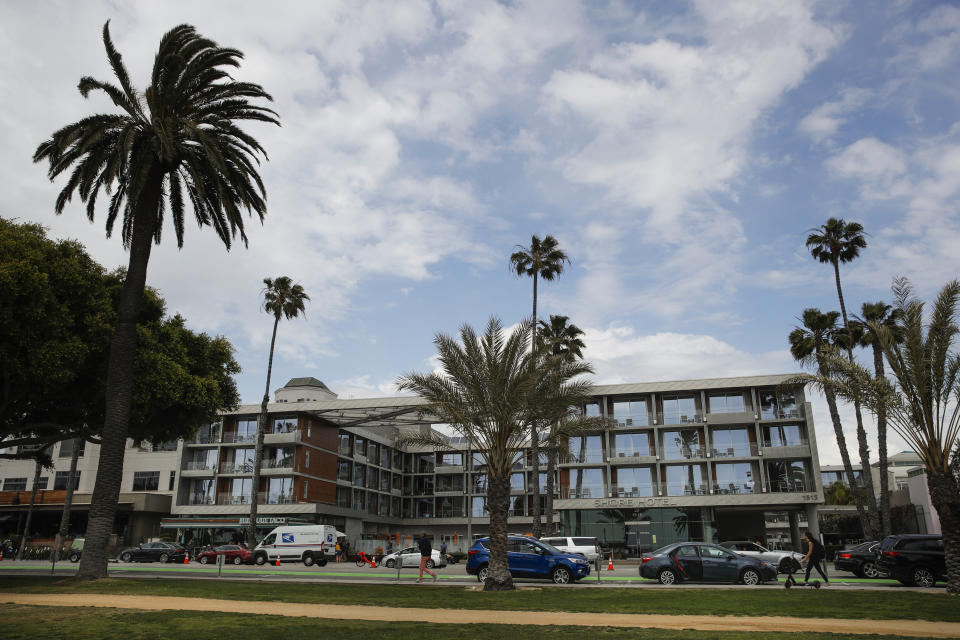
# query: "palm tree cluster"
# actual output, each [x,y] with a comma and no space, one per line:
[492,391]
[176,141]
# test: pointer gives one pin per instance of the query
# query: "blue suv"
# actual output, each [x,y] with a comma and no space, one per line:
[529,558]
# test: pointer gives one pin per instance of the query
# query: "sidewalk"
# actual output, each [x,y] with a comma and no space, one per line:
[907,628]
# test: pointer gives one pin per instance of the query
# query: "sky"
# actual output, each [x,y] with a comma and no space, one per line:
[680,152]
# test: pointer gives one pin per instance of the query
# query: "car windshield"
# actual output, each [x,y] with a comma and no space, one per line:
[549,547]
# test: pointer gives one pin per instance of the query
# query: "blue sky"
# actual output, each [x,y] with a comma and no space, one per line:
[678,151]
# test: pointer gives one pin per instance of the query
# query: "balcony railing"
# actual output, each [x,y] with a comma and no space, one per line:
[200,498]
[641,491]
[688,452]
[279,463]
[584,492]
[633,420]
[736,451]
[280,498]
[680,417]
[726,488]
[201,465]
[776,413]
[207,438]
[586,456]
[236,467]
[685,489]
[232,437]
[802,442]
[790,486]
[613,454]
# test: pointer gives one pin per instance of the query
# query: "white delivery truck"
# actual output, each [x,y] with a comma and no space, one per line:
[307,543]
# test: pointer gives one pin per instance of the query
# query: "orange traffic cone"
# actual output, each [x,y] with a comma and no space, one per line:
[278,560]
[610,563]
[186,559]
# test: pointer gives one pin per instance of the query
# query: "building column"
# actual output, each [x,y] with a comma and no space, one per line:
[794,530]
[813,520]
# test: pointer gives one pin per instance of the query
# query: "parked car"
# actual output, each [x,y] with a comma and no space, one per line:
[232,554]
[779,559]
[916,560]
[701,562]
[154,552]
[410,557]
[76,550]
[589,548]
[529,558]
[861,560]
[306,543]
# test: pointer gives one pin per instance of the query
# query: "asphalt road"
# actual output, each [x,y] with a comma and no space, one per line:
[623,575]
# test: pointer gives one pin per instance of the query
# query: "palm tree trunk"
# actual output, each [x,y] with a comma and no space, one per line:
[885,525]
[534,431]
[844,453]
[33,500]
[945,496]
[551,470]
[872,525]
[258,451]
[119,391]
[64,528]
[498,501]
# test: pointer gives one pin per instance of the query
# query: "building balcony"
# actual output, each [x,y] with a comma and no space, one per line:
[730,417]
[453,468]
[736,488]
[642,491]
[235,468]
[736,451]
[791,486]
[776,413]
[200,498]
[278,463]
[583,492]
[678,417]
[232,437]
[282,437]
[191,469]
[684,489]
[632,421]
[691,452]
[627,456]
[206,438]
[586,456]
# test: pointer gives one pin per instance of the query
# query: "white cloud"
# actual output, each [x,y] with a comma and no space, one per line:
[824,121]
[877,165]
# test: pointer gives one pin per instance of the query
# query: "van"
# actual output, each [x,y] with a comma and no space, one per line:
[309,544]
[589,548]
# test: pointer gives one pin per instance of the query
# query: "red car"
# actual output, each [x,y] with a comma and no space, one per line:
[232,553]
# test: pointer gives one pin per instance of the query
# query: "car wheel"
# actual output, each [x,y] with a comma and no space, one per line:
[561,575]
[74,557]
[750,577]
[164,558]
[237,560]
[322,561]
[784,566]
[923,577]
[127,557]
[667,576]
[391,563]
[482,574]
[429,564]
[307,560]
[261,559]
[870,570]
[204,560]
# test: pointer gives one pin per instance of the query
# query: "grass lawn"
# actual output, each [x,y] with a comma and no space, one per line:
[74,623]
[823,603]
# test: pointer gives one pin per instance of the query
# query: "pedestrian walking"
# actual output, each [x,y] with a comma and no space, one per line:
[339,553]
[426,552]
[815,555]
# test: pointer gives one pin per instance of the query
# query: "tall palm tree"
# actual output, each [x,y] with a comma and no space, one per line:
[873,316]
[812,344]
[41,459]
[562,340]
[543,259]
[490,393]
[179,135]
[280,298]
[837,242]
[64,527]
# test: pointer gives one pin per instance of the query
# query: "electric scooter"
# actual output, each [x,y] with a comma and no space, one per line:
[795,566]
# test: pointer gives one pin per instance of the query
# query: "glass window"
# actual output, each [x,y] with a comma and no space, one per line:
[586,449]
[628,445]
[246,430]
[359,500]
[685,480]
[516,482]
[240,490]
[735,478]
[630,413]
[397,480]
[385,456]
[478,460]
[633,482]
[451,459]
[284,425]
[373,451]
[450,483]
[360,445]
[783,435]
[714,552]
[345,447]
[173,479]
[731,442]
[373,503]
[787,475]
[397,459]
[359,473]
[146,480]
[61,480]
[728,402]
[373,480]
[66,448]
[425,463]
[479,483]
[344,470]
[15,484]
[680,410]
[202,491]
[42,483]
[384,481]
[682,443]
[592,410]
[280,491]
[586,483]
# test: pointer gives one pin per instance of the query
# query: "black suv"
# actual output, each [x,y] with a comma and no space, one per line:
[913,559]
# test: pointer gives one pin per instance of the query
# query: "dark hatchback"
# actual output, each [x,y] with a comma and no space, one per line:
[702,562]
[860,560]
[915,560]
[529,558]
[154,552]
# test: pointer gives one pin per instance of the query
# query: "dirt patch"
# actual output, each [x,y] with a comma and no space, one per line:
[908,628]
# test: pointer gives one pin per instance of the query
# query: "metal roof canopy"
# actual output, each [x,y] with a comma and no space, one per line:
[408,411]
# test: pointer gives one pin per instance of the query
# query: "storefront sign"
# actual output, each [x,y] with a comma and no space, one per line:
[616,503]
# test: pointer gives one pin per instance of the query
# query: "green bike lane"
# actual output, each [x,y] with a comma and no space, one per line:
[623,575]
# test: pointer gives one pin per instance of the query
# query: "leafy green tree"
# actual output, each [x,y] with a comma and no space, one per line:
[837,493]
[836,242]
[813,344]
[560,339]
[280,298]
[176,141]
[491,393]
[879,314]
[543,259]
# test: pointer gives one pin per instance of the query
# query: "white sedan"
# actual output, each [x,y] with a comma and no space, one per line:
[410,557]
[779,559]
